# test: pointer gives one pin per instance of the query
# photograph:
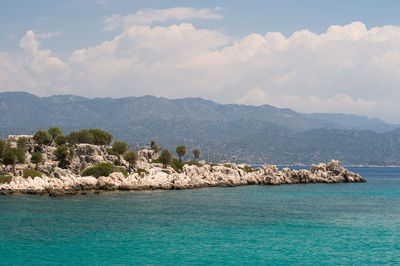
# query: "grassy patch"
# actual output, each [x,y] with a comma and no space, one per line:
[155,161]
[140,170]
[194,163]
[27,172]
[248,169]
[5,179]
[103,169]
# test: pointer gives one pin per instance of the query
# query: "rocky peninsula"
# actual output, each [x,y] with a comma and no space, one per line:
[70,176]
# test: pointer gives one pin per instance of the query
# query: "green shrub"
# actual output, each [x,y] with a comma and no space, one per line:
[90,136]
[103,169]
[181,151]
[194,163]
[12,156]
[42,137]
[227,165]
[5,179]
[61,153]
[177,165]
[165,158]
[36,158]
[21,143]
[196,154]
[154,147]
[140,170]
[131,157]
[60,140]
[100,137]
[110,151]
[156,161]
[27,172]
[54,132]
[3,147]
[119,147]
[248,169]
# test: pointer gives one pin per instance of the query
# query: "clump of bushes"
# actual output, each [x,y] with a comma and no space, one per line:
[12,156]
[5,179]
[119,147]
[165,158]
[131,157]
[178,165]
[63,155]
[27,172]
[36,158]
[42,137]
[103,169]
[60,140]
[90,136]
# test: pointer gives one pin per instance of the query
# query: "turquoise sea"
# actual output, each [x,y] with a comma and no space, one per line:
[352,224]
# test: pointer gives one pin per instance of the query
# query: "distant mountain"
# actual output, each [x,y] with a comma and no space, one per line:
[222,132]
[346,121]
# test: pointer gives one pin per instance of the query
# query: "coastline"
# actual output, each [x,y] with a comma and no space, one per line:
[191,177]
[78,172]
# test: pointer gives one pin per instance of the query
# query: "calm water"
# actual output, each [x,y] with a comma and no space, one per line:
[289,224]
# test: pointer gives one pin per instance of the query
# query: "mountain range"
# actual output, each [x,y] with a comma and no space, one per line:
[223,132]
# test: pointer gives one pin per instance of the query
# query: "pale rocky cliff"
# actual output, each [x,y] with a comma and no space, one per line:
[57,181]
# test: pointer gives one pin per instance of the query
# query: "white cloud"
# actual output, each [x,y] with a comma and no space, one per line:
[149,16]
[255,96]
[347,69]
[48,35]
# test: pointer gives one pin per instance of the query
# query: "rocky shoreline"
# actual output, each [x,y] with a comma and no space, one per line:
[58,182]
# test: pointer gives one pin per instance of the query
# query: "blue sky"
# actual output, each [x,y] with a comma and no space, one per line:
[80,22]
[312,56]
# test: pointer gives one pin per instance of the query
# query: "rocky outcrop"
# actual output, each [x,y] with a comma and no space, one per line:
[66,181]
[57,182]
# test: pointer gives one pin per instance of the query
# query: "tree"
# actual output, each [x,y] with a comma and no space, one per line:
[84,136]
[181,151]
[3,147]
[36,159]
[21,143]
[12,156]
[196,154]
[63,155]
[131,157]
[54,132]
[154,147]
[72,137]
[165,158]
[119,147]
[42,137]
[60,140]
[100,137]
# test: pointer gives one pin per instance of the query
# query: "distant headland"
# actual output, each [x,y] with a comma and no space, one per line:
[50,162]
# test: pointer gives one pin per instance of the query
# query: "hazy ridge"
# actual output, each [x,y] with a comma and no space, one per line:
[222,132]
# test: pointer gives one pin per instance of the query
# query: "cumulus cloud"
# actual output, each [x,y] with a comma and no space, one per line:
[255,96]
[149,16]
[347,69]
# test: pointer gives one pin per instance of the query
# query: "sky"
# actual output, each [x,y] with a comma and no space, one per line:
[310,56]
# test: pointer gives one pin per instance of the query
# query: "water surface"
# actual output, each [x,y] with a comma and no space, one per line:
[288,224]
